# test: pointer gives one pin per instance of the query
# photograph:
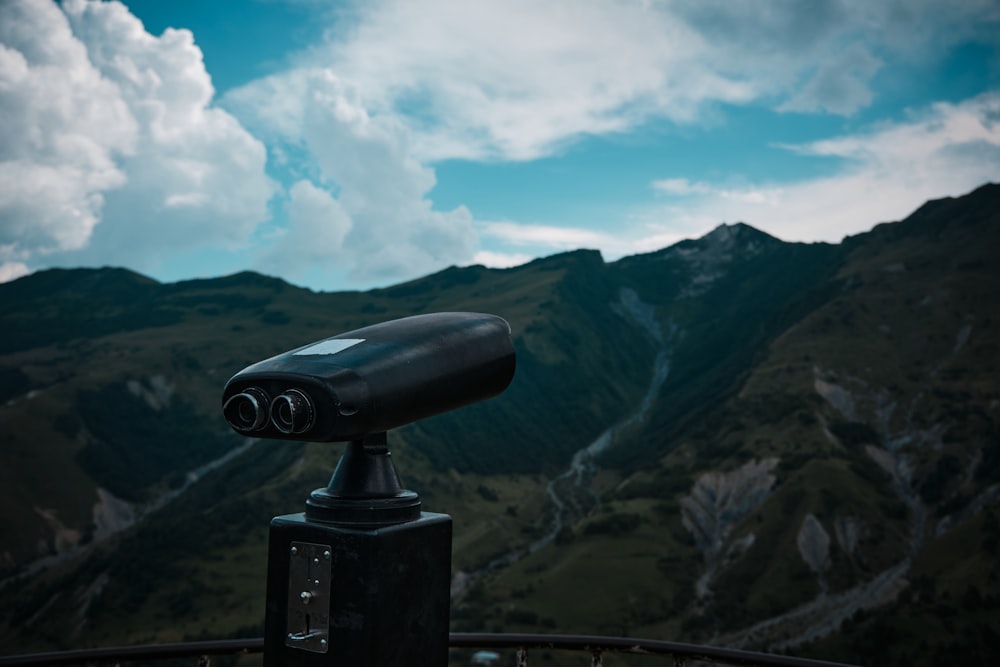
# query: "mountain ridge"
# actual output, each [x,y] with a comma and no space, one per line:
[780,362]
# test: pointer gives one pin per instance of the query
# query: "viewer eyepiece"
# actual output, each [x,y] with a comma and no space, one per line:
[248,410]
[292,412]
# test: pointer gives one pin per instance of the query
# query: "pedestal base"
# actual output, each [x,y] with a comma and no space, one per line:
[388,600]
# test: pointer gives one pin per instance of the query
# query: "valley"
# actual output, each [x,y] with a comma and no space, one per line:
[733,440]
[571,493]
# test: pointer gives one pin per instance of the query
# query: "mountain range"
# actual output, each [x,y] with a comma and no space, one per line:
[734,440]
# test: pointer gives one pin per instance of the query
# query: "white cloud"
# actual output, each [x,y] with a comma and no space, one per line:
[515,80]
[500,260]
[63,128]
[519,79]
[564,238]
[888,171]
[406,83]
[641,236]
[110,150]
[197,176]
[317,227]
[12,271]
[682,187]
[365,164]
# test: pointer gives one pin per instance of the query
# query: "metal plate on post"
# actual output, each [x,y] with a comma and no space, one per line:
[309,574]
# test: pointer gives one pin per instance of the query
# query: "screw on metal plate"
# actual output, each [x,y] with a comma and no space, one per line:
[308,620]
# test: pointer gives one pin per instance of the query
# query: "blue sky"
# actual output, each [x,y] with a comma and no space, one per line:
[351,145]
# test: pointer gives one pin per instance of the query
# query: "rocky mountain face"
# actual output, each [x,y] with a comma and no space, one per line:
[734,440]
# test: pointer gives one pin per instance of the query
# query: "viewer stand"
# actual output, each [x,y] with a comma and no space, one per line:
[362,577]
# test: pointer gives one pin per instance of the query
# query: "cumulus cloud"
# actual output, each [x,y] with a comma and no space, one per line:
[887,171]
[64,128]
[317,226]
[362,167]
[111,150]
[197,176]
[408,83]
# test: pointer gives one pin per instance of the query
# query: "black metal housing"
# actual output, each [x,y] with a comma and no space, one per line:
[373,379]
[389,597]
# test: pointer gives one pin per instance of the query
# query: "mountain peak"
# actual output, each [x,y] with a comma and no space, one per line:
[721,246]
[46,283]
[737,232]
[240,280]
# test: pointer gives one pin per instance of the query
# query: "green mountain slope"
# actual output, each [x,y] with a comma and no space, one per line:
[752,442]
[843,503]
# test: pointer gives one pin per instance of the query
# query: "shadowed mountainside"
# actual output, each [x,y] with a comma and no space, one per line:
[734,440]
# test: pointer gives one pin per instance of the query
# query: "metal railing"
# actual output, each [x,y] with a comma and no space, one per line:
[595,646]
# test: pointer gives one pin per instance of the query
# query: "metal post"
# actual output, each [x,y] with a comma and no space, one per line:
[362,577]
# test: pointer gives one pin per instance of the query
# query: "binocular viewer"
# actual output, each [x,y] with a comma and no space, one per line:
[362,576]
[372,379]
